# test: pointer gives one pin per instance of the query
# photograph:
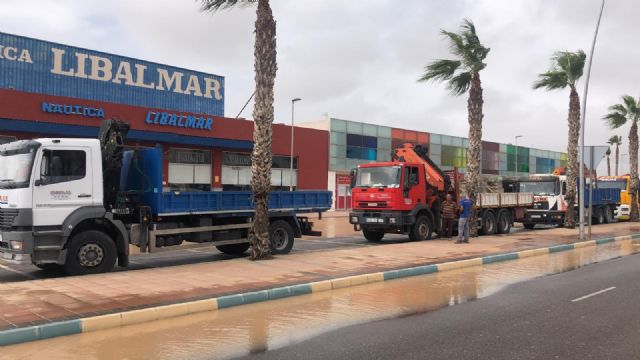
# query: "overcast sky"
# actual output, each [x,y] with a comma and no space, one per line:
[359,59]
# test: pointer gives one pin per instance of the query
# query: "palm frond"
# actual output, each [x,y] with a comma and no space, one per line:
[572,63]
[615,120]
[551,80]
[618,108]
[630,104]
[215,5]
[460,83]
[615,140]
[440,70]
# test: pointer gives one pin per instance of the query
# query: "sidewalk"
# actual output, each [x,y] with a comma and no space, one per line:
[43,301]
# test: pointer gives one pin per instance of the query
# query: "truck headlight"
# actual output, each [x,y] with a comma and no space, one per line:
[15,245]
[392,220]
[354,219]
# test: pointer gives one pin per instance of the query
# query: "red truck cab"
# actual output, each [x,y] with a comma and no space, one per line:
[395,197]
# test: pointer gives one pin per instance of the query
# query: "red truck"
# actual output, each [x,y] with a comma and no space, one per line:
[403,196]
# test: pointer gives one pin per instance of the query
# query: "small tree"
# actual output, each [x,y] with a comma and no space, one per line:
[617,141]
[619,114]
[462,74]
[566,69]
[265,73]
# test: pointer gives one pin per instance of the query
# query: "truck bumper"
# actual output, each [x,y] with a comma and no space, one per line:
[16,246]
[373,219]
[543,217]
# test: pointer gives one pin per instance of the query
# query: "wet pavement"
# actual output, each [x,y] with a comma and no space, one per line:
[36,302]
[256,328]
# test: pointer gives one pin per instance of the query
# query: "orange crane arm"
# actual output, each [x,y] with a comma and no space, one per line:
[417,154]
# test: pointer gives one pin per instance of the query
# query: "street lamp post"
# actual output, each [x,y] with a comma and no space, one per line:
[517,136]
[293,102]
[583,120]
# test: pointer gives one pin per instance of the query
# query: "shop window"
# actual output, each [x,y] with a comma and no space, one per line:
[369,142]
[236,172]
[189,170]
[354,140]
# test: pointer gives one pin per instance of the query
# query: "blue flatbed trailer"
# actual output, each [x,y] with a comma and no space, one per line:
[602,197]
[218,217]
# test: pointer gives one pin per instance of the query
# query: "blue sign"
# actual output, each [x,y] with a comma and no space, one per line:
[43,67]
[178,120]
[72,110]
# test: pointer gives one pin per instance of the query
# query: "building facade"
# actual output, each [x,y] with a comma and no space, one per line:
[354,143]
[54,90]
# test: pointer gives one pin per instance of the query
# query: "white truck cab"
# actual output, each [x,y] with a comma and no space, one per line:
[49,188]
[549,204]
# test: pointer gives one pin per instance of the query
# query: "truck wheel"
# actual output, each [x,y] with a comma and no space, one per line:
[599,216]
[504,222]
[608,215]
[372,235]
[421,230]
[529,226]
[233,249]
[90,252]
[281,236]
[488,223]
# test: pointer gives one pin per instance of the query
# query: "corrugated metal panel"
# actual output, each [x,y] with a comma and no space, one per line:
[41,67]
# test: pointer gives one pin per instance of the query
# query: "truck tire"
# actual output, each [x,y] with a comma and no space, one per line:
[281,236]
[90,252]
[488,223]
[529,226]
[372,235]
[504,222]
[599,216]
[421,230]
[233,249]
[608,214]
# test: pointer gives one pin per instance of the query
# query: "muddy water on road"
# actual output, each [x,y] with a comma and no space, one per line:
[259,327]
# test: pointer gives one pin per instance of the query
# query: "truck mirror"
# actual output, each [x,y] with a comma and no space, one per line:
[352,177]
[38,182]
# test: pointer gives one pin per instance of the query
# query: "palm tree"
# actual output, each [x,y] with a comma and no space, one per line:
[608,153]
[566,69]
[462,74]
[617,141]
[265,72]
[620,114]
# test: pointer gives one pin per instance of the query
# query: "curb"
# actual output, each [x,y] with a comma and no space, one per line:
[103,322]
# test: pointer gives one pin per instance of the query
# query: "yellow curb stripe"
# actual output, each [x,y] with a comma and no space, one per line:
[623,237]
[321,286]
[452,265]
[583,244]
[101,322]
[139,316]
[533,252]
[341,283]
[375,277]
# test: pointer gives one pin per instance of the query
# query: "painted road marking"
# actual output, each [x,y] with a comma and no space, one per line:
[593,294]
[28,276]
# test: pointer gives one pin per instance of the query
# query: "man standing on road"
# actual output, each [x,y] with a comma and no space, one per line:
[463,223]
[449,208]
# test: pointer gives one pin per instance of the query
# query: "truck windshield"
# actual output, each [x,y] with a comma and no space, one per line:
[381,176]
[538,187]
[15,168]
[617,184]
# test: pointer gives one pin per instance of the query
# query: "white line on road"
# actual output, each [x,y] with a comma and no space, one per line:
[28,276]
[593,294]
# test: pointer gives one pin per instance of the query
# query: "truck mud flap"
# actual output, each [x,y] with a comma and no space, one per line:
[306,227]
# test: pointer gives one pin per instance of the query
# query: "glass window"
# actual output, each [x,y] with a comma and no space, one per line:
[354,152]
[354,127]
[435,149]
[369,154]
[456,141]
[354,140]
[338,138]
[384,144]
[338,125]
[369,130]
[61,165]
[384,132]
[369,142]
[382,176]
[465,142]
[338,151]
[435,139]
[183,156]
[384,155]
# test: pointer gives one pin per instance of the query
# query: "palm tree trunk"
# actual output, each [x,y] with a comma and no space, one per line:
[608,165]
[474,108]
[617,158]
[572,157]
[261,157]
[633,156]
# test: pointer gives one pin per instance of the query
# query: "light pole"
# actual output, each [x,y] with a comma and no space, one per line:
[293,102]
[583,120]
[517,136]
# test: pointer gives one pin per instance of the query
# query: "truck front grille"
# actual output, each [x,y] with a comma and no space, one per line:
[541,205]
[6,217]
[372,204]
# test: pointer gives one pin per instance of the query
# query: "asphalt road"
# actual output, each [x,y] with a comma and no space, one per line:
[536,319]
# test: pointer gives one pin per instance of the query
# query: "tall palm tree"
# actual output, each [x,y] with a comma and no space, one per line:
[265,67]
[462,74]
[566,69]
[608,153]
[619,114]
[617,141]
